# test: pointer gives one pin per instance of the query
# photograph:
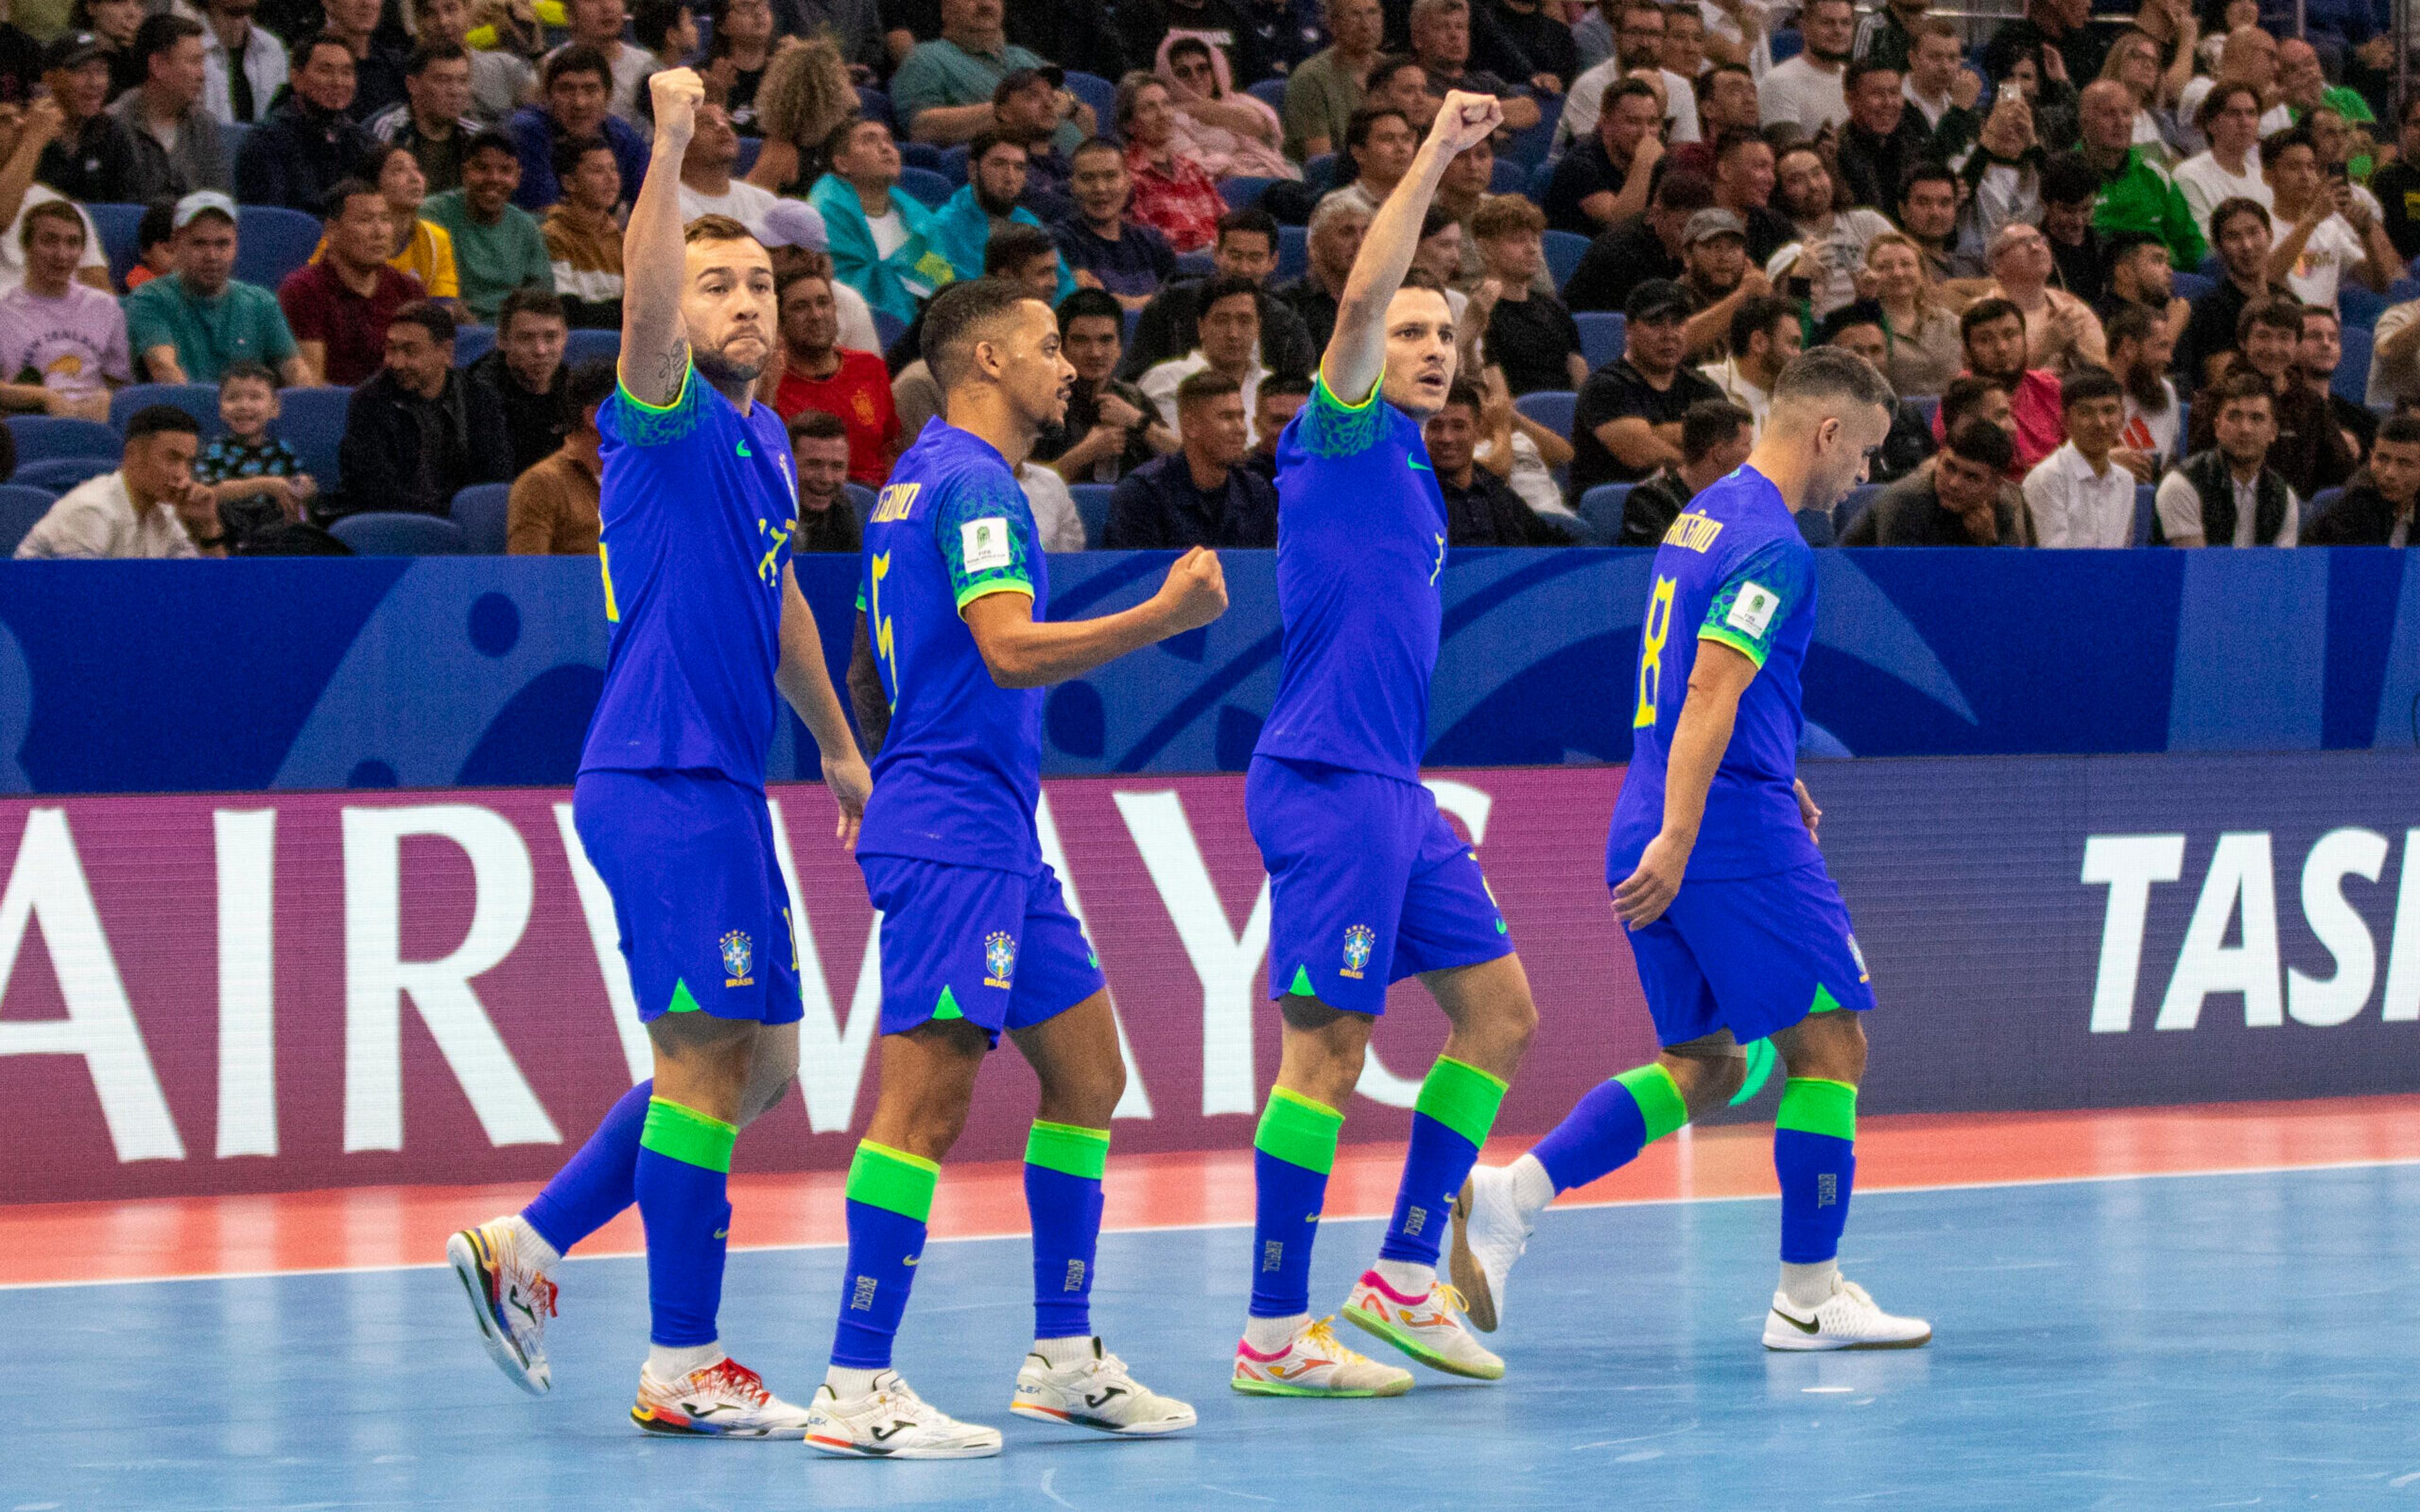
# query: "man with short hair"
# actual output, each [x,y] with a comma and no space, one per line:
[2239,228]
[1103,247]
[553,509]
[996,169]
[1247,248]
[339,307]
[708,187]
[1605,180]
[943,89]
[2140,277]
[1027,109]
[599,23]
[190,325]
[177,144]
[583,236]
[1627,420]
[1994,332]
[244,66]
[1322,95]
[1202,494]
[1942,87]
[497,245]
[1961,499]
[2247,55]
[1528,335]
[1440,36]
[434,119]
[2077,496]
[2226,493]
[1642,32]
[2321,242]
[1282,398]
[522,377]
[1646,246]
[1928,214]
[828,521]
[2140,352]
[90,157]
[1884,140]
[413,435]
[2375,508]
[1717,436]
[1111,427]
[1229,327]
[2321,353]
[817,372]
[1886,36]
[2306,447]
[2135,194]
[1763,336]
[377,54]
[500,79]
[1379,142]
[2048,26]
[1333,241]
[883,241]
[2229,167]
[1807,90]
[575,99]
[1480,509]
[310,142]
[62,344]
[149,507]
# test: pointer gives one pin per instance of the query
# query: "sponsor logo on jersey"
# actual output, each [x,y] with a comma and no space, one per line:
[739,954]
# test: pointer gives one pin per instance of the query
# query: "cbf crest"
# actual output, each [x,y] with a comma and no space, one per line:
[739,954]
[999,960]
[1358,941]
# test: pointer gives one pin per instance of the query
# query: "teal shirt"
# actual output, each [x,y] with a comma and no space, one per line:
[915,270]
[941,72]
[242,324]
[962,229]
[493,260]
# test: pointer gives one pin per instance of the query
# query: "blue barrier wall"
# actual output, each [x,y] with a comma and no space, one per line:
[473,672]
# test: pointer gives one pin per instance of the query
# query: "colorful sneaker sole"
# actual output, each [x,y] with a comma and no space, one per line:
[672,1424]
[1253,1386]
[1370,1322]
[1129,1431]
[467,1252]
[853,1451]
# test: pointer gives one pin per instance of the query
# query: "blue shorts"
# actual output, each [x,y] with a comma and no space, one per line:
[1753,955]
[697,892]
[996,948]
[1368,884]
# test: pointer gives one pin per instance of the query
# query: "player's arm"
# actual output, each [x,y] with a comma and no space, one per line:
[801,676]
[1357,352]
[1717,678]
[1022,652]
[655,342]
[866,695]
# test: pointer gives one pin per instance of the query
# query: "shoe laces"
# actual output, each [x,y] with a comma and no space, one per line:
[730,1375]
[541,1293]
[1448,1295]
[1321,1337]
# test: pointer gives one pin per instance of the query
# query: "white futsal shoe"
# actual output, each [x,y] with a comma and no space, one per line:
[1096,1392]
[1429,1328]
[1846,1320]
[511,1298]
[722,1400]
[892,1422]
[1490,1232]
[1316,1363]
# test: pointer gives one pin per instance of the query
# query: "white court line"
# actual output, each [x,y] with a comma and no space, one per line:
[1245,1222]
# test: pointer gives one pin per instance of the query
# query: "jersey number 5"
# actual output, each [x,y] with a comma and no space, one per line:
[885,649]
[1650,652]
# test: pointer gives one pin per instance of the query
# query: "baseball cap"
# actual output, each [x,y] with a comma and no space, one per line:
[1713,222]
[72,51]
[793,223]
[1019,79]
[199,203]
[1657,299]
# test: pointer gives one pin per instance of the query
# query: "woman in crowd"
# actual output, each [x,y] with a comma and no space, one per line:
[2134,61]
[422,247]
[805,97]
[1172,195]
[1920,333]
[1229,135]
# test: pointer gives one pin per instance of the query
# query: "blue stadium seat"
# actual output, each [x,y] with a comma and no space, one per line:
[1926,405]
[377,535]
[2350,380]
[21,506]
[1512,178]
[120,227]
[2189,286]
[1601,511]
[920,155]
[1100,94]
[1093,508]
[1787,44]
[927,188]
[1133,322]
[1550,408]
[953,166]
[312,422]
[2320,503]
[1269,92]
[1564,250]
[271,242]
[1196,265]
[1319,174]
[199,400]
[887,328]
[479,510]
[874,104]
[2359,306]
[472,342]
[748,148]
[40,437]
[1528,149]
[1540,178]
[2403,289]
[1244,191]
[1294,251]
[588,346]
[2145,495]
[1846,512]
[1601,336]
[860,499]
[60,473]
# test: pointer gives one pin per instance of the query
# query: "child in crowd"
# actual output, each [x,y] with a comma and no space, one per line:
[153,256]
[258,480]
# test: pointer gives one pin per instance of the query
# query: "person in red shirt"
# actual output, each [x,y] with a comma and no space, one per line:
[1994,333]
[1173,197]
[340,306]
[820,374]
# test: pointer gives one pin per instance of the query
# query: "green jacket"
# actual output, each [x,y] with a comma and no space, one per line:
[2142,198]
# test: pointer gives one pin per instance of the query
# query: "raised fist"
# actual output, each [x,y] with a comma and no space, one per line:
[678,94]
[1467,119]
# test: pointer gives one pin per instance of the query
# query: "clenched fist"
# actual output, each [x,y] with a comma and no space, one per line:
[677,93]
[1465,120]
[1195,593]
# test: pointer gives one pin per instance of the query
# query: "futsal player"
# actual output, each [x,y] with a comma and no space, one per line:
[1738,930]
[1368,884]
[699,508]
[976,938]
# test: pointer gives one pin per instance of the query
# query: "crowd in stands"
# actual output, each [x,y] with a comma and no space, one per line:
[2136,275]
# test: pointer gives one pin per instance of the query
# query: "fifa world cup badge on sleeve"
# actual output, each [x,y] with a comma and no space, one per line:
[985,544]
[1753,610]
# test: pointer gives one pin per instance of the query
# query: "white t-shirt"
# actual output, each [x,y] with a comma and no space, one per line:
[1844,252]
[2146,432]
[97,519]
[889,230]
[2392,383]
[1586,101]
[2073,507]
[2205,184]
[744,202]
[2334,249]
[1803,95]
[2277,119]
[13,241]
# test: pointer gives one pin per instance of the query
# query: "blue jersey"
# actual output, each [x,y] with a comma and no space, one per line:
[961,769]
[1732,568]
[1362,532]
[699,508]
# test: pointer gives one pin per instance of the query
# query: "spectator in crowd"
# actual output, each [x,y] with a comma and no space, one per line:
[190,326]
[2003,176]
[943,89]
[499,76]
[497,245]
[1378,148]
[2139,278]
[1606,178]
[1627,421]
[2140,350]
[255,478]
[1927,217]
[820,450]
[1481,508]
[817,372]
[1646,246]
[882,240]
[1399,84]
[2139,62]
[2303,82]
[575,91]
[2306,447]
[1225,132]
[244,66]
[1465,185]
[666,31]
[2061,332]
[1743,181]
[1323,94]
[2078,495]
[553,509]
[738,58]
[522,377]
[1199,494]
[413,435]
[89,157]
[308,143]
[1994,332]
[1056,523]
[177,145]
[1883,139]
[1641,29]
[2048,26]
[1027,109]
[2229,167]
[113,24]
[987,201]
[1440,36]
[1821,265]
[150,507]
[2393,358]
[599,23]
[2317,356]
[422,247]
[1332,242]
[2397,184]
[1716,277]
[1764,335]
[25,134]
[1858,327]
[1229,327]
[2247,54]
[2226,493]
[434,119]
[1961,500]
[805,97]
[1019,253]
[2321,242]
[1282,398]
[583,237]
[62,344]
[1529,334]
[1943,88]
[2375,508]
[1247,248]
[1529,42]
[708,187]
[2079,263]
[2239,228]
[377,54]
[2135,194]
[155,244]
[21,55]
[1886,36]
[1111,427]
[1808,92]
[340,306]
[1715,436]
[1102,248]
[1923,348]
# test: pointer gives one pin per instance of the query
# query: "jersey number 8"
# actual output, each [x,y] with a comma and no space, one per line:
[1650,652]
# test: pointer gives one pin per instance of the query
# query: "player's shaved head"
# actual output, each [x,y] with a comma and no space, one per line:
[728,304]
[1831,409]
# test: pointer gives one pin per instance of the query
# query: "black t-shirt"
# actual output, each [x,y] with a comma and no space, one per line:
[1584,170]
[1627,256]
[1530,340]
[1620,392]
[2398,188]
[1539,40]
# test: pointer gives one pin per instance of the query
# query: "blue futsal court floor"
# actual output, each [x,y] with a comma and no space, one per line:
[2207,1341]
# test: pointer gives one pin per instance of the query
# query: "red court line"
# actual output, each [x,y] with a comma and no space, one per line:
[373,1227]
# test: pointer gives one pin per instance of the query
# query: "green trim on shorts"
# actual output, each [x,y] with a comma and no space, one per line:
[686,1135]
[1812,1104]
[1461,1097]
[1824,1001]
[947,1008]
[683,1000]
[1302,986]
[893,1179]
[1299,1131]
[1068,1147]
[1658,1096]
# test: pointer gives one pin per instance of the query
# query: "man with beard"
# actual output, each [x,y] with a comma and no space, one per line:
[2140,350]
[1822,264]
[1718,280]
[2139,278]
[1994,332]
[1763,337]
[2228,493]
[994,182]
[1806,91]
[1928,212]
[2307,449]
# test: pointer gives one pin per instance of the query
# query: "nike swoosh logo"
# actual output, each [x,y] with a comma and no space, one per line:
[1421,466]
[695,1410]
[1815,1327]
[744,450]
[722,1233]
[912,1259]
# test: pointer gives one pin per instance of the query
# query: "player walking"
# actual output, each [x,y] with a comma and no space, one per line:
[699,508]
[975,938]
[1739,932]
[1367,885]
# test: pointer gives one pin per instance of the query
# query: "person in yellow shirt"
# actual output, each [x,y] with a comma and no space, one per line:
[422,248]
